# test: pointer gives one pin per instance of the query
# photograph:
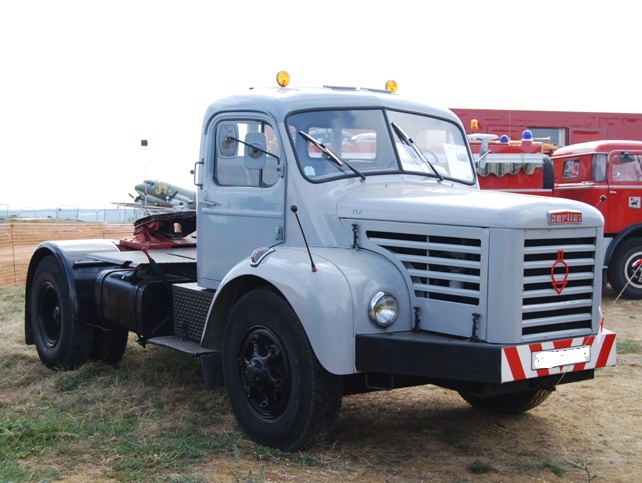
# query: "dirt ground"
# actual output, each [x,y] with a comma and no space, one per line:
[586,431]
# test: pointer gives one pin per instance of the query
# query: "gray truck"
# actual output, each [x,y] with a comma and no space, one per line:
[340,244]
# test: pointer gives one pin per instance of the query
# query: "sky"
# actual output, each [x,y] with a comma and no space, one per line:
[82,82]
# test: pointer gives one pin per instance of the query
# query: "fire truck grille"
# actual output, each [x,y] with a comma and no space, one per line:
[440,267]
[558,284]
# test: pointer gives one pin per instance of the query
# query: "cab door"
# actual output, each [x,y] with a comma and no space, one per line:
[625,190]
[242,194]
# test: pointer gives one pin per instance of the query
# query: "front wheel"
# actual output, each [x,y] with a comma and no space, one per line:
[280,394]
[624,276]
[515,403]
[61,341]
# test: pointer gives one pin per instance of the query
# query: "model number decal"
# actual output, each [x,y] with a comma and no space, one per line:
[357,212]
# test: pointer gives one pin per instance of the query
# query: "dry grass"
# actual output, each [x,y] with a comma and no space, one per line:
[150,420]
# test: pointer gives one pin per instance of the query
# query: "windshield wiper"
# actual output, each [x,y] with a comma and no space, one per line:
[406,140]
[336,160]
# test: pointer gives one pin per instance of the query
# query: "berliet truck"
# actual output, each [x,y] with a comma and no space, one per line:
[340,244]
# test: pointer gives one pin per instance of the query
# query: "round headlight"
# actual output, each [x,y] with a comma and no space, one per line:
[383,309]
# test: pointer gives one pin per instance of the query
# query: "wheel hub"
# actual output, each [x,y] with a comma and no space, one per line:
[264,372]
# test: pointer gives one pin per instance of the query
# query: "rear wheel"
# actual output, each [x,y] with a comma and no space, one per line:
[280,394]
[109,345]
[61,341]
[624,276]
[515,403]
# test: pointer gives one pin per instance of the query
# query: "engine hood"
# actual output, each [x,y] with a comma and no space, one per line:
[445,204]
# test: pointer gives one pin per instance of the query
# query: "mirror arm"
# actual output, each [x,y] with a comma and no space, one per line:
[232,138]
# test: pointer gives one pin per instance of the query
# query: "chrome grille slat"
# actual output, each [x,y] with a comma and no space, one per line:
[572,263]
[587,247]
[547,278]
[588,291]
[559,320]
[555,306]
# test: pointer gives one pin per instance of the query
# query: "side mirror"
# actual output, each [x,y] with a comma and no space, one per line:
[626,157]
[227,144]
[255,147]
[483,152]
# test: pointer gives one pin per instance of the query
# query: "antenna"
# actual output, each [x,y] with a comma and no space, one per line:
[294,210]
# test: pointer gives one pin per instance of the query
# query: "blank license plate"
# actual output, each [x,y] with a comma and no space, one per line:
[561,357]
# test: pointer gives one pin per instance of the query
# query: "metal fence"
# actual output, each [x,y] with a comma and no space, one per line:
[72,213]
[19,237]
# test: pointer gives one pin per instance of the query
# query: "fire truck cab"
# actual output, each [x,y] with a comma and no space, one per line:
[608,174]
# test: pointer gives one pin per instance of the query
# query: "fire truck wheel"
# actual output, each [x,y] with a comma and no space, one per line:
[61,341]
[109,346]
[515,403]
[280,394]
[621,269]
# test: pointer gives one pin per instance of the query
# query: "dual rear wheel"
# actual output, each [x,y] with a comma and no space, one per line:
[62,341]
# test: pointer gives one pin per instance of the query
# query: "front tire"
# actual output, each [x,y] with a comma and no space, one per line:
[61,341]
[515,403]
[621,269]
[280,394]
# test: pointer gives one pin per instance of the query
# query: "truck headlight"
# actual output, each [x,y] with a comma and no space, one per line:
[383,309]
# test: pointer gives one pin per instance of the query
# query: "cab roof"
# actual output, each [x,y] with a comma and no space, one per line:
[279,102]
[602,146]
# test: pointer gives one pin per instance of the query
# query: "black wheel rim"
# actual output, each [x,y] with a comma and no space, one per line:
[265,372]
[49,316]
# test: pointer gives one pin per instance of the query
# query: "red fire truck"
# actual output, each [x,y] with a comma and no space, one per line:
[606,174]
[562,128]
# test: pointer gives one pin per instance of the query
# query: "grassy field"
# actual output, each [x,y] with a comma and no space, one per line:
[149,419]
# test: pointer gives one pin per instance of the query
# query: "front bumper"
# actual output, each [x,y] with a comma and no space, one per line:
[429,355]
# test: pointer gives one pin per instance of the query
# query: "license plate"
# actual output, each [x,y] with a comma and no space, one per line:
[561,357]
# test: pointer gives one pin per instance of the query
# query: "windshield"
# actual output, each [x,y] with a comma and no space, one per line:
[373,141]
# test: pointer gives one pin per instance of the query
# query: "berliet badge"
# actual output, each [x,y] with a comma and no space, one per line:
[564,217]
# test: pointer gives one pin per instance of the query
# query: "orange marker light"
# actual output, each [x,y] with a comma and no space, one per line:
[283,78]
[391,86]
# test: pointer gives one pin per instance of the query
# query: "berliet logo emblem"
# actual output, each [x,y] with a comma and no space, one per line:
[564,217]
[560,278]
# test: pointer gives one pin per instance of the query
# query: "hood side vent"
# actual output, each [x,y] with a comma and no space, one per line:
[440,267]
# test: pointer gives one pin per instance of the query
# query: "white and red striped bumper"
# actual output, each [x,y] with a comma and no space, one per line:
[583,353]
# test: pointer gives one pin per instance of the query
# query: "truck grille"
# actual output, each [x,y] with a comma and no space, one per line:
[570,263]
[440,267]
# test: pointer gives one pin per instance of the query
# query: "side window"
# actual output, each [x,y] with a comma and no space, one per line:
[598,168]
[230,158]
[571,168]
[625,167]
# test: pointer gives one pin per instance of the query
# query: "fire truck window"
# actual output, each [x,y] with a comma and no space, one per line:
[598,172]
[571,168]
[625,169]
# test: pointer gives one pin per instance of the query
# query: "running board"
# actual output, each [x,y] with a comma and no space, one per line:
[211,360]
[182,345]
